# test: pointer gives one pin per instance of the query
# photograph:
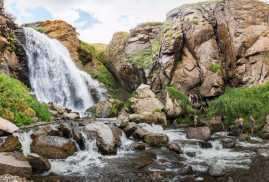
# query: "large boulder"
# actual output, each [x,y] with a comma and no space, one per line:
[216,170]
[149,118]
[259,165]
[77,136]
[140,134]
[173,109]
[108,108]
[10,144]
[50,129]
[130,129]
[117,132]
[214,124]
[203,133]
[105,139]
[157,139]
[65,130]
[6,127]
[39,163]
[14,164]
[53,147]
[265,130]
[10,178]
[175,148]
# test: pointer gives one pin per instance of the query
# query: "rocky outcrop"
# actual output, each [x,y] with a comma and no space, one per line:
[39,163]
[6,127]
[105,139]
[204,47]
[53,147]
[259,165]
[14,164]
[202,133]
[108,108]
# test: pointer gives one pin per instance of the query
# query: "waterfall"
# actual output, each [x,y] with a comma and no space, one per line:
[54,77]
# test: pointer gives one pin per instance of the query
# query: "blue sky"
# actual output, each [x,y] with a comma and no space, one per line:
[95,20]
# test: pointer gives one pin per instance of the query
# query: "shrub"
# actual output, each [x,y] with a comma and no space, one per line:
[142,59]
[242,102]
[216,68]
[16,103]
[39,29]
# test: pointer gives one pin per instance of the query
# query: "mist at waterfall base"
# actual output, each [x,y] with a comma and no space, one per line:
[54,76]
[89,165]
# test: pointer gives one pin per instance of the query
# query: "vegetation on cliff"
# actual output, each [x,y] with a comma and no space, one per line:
[17,105]
[142,59]
[243,102]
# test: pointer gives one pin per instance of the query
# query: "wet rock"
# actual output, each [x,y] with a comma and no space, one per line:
[185,170]
[66,130]
[108,108]
[50,129]
[10,178]
[53,147]
[203,133]
[39,163]
[216,170]
[157,175]
[228,144]
[117,134]
[56,107]
[14,164]
[244,137]
[205,144]
[11,144]
[259,165]
[71,116]
[140,134]
[105,139]
[130,129]
[6,127]
[149,118]
[157,139]
[174,147]
[77,136]
[138,146]
[144,164]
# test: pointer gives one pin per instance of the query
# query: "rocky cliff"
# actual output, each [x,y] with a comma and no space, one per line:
[204,47]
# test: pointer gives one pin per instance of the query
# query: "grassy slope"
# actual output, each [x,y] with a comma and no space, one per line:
[17,105]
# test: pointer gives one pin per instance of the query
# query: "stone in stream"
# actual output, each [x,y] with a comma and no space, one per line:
[244,137]
[6,127]
[216,170]
[140,134]
[203,133]
[39,163]
[228,144]
[53,147]
[138,146]
[259,165]
[10,178]
[149,118]
[15,164]
[77,136]
[130,128]
[157,139]
[185,170]
[50,129]
[10,144]
[174,147]
[105,139]
[117,132]
[205,144]
[65,129]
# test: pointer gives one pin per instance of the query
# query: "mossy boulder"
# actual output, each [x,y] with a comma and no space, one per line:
[108,108]
[157,139]
[10,144]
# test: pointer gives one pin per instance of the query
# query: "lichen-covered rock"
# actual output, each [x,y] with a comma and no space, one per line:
[105,139]
[108,108]
[39,163]
[14,164]
[53,147]
[10,144]
[203,133]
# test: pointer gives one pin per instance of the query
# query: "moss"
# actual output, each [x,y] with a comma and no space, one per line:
[157,110]
[150,24]
[216,68]
[156,46]
[39,29]
[194,22]
[16,103]
[142,59]
[148,139]
[169,33]
[86,52]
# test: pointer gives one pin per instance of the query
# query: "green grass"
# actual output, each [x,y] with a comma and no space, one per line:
[39,29]
[150,24]
[242,102]
[142,59]
[195,22]
[169,33]
[216,68]
[86,52]
[156,46]
[183,98]
[17,105]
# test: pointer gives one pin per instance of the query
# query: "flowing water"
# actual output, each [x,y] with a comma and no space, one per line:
[54,77]
[89,165]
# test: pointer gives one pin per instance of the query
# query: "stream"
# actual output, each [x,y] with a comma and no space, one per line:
[89,165]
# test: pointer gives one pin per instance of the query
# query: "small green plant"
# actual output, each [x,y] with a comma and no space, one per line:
[157,110]
[148,139]
[169,33]
[39,29]
[216,68]
[156,46]
[195,22]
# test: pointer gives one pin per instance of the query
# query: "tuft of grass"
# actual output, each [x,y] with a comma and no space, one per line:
[243,102]
[17,105]
[156,46]
[142,59]
[86,52]
[169,33]
[195,22]
[216,68]
[39,29]
[150,24]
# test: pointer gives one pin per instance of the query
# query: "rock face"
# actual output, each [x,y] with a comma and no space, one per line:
[202,133]
[53,147]
[14,164]
[39,163]
[204,47]
[6,127]
[259,165]
[105,139]
[108,108]
[10,144]
[173,109]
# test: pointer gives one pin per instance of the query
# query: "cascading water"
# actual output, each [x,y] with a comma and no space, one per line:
[54,76]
